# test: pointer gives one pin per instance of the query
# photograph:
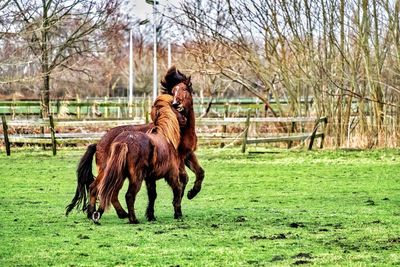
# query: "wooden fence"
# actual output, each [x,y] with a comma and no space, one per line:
[244,137]
[119,108]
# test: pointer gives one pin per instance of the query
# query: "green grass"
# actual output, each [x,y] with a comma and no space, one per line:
[279,208]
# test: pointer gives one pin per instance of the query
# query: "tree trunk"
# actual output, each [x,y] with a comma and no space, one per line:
[378,94]
[45,91]
[45,96]
[342,119]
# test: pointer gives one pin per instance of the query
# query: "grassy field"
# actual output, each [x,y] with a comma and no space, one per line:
[279,208]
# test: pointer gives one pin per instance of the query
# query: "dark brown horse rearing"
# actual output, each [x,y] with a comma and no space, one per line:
[144,156]
[182,101]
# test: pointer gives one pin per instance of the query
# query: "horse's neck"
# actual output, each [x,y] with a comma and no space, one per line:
[191,123]
[162,133]
[188,134]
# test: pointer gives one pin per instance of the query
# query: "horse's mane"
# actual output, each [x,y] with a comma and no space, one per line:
[172,78]
[165,121]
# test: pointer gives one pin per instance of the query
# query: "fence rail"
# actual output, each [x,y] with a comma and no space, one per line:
[227,121]
[119,108]
[73,123]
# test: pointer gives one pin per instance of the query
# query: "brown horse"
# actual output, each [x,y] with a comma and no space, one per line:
[144,156]
[183,102]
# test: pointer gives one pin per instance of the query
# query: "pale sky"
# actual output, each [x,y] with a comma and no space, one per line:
[143,10]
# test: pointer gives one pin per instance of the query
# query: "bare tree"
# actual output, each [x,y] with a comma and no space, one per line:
[343,53]
[57,31]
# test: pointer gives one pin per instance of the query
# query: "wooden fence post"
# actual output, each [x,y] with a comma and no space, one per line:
[13,107]
[78,107]
[53,135]
[143,104]
[246,130]
[314,132]
[148,106]
[290,143]
[146,117]
[324,121]
[224,126]
[119,108]
[58,105]
[5,132]
[106,107]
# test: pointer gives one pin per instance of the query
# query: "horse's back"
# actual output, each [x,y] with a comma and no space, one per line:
[103,148]
[138,142]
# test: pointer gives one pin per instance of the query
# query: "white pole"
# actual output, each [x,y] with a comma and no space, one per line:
[154,52]
[130,99]
[169,54]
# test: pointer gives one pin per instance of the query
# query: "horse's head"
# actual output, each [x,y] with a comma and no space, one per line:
[183,97]
[172,78]
[178,85]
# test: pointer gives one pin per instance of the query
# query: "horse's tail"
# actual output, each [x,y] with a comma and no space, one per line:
[85,178]
[114,174]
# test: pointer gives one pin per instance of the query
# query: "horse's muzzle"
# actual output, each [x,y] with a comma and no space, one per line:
[178,106]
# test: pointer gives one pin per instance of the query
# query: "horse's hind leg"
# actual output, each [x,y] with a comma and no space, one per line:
[93,192]
[122,214]
[97,214]
[193,164]
[130,197]
[183,177]
[152,194]
[177,191]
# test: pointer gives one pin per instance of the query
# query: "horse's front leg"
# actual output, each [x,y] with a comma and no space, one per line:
[92,214]
[193,164]
[93,196]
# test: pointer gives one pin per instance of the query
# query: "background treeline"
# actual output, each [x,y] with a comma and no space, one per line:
[344,54]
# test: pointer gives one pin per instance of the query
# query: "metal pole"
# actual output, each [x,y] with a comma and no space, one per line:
[130,100]
[154,52]
[169,54]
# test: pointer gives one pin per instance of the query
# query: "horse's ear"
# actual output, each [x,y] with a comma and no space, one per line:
[189,83]
[169,80]
[172,69]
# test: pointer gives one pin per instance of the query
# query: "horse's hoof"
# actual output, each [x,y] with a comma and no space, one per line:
[123,215]
[151,218]
[96,217]
[90,211]
[135,221]
[178,216]
[192,193]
